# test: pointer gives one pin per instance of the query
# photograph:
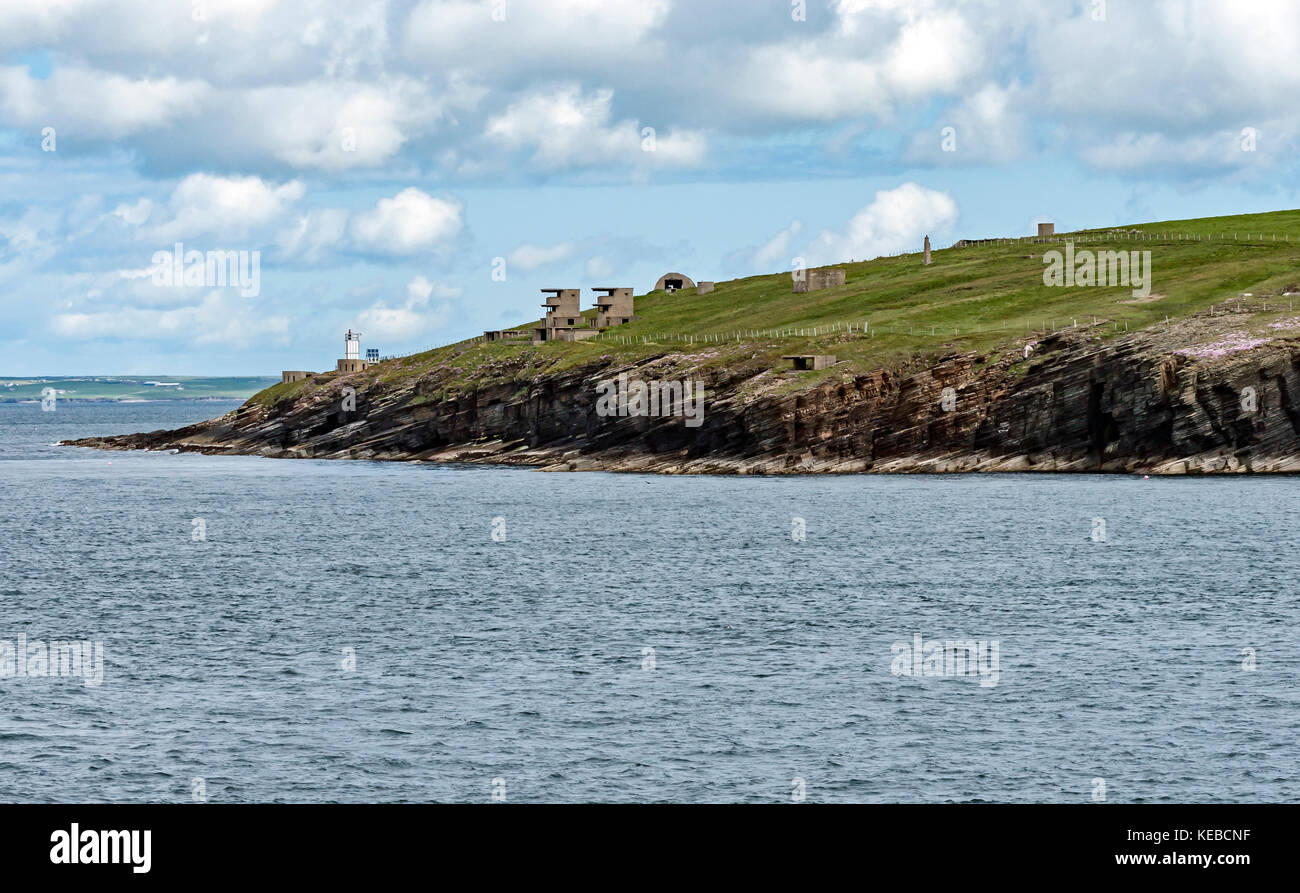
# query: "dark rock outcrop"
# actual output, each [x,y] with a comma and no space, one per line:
[1080,401]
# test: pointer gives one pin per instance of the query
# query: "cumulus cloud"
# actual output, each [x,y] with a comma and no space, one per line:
[566,126]
[410,222]
[1249,152]
[273,87]
[82,104]
[219,319]
[314,235]
[532,257]
[205,204]
[333,126]
[135,213]
[896,220]
[599,267]
[776,250]
[990,126]
[416,316]
[878,56]
[591,35]
[212,129]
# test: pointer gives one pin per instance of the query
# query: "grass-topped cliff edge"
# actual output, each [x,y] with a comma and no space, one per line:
[971,363]
[974,298]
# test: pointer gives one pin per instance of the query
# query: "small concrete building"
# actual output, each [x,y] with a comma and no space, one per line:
[673,282]
[614,307]
[704,287]
[345,365]
[562,312]
[1046,229]
[809,362]
[822,277]
[575,334]
[294,375]
[507,335]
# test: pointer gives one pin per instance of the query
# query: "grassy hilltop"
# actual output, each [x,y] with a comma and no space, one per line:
[973,298]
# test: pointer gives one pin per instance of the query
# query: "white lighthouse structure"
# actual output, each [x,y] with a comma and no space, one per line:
[351,361]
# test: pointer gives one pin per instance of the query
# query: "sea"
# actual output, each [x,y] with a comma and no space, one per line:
[265,630]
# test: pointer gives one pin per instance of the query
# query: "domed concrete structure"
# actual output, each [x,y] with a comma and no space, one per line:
[673,282]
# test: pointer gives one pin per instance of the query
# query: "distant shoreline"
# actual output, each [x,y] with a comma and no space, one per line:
[30,402]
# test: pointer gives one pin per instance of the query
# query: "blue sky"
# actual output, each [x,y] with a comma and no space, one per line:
[382,156]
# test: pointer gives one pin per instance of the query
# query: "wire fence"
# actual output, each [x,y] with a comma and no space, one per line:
[865,329]
[1123,236]
[464,342]
[884,328]
[869,329]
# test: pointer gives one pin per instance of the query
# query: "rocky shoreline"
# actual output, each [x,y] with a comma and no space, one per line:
[1082,401]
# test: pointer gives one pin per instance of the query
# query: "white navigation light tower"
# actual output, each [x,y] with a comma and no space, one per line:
[351,361]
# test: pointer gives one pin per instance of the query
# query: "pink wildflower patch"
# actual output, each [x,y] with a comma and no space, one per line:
[1234,342]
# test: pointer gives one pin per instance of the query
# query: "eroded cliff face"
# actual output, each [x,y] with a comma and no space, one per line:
[1195,398]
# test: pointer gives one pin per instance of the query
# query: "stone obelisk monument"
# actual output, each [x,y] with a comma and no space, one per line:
[926,260]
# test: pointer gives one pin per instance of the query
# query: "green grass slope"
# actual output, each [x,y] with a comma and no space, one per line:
[977,297]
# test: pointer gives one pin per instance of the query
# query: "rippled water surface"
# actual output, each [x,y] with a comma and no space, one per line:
[526,661]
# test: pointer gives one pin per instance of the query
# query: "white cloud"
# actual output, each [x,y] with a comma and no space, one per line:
[204,204]
[933,54]
[314,234]
[531,257]
[334,126]
[419,290]
[989,126]
[896,220]
[135,213]
[409,222]
[399,324]
[413,318]
[565,126]
[269,86]
[599,267]
[1221,151]
[82,104]
[596,34]
[881,55]
[219,319]
[776,250]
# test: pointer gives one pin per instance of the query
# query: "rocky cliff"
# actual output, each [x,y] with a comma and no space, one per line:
[1203,395]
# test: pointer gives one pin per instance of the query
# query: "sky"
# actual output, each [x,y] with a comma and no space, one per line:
[417,170]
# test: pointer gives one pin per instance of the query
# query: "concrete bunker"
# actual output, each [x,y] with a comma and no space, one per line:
[809,362]
[614,307]
[507,335]
[673,282]
[562,314]
[819,278]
